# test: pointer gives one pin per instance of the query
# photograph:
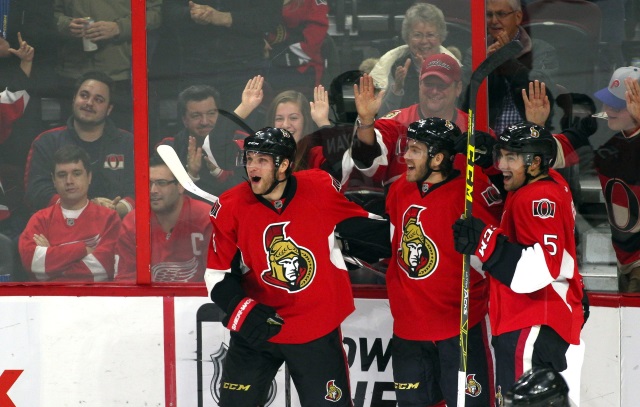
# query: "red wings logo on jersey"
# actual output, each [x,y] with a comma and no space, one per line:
[291,267]
[544,208]
[417,255]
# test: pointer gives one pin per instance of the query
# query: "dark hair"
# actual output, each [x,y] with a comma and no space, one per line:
[155,161]
[195,93]
[71,153]
[100,77]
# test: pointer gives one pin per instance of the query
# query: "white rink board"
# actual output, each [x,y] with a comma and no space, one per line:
[109,351]
[83,351]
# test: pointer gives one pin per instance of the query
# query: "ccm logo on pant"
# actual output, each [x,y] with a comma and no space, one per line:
[234,386]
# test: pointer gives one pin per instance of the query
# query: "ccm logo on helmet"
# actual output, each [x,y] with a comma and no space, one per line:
[406,386]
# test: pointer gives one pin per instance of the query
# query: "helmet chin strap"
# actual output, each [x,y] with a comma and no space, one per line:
[429,171]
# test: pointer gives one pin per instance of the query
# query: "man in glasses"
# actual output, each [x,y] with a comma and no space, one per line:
[74,239]
[180,232]
[537,60]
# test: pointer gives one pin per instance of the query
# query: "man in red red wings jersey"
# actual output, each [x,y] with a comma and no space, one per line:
[425,273]
[180,232]
[74,239]
[287,301]
[536,290]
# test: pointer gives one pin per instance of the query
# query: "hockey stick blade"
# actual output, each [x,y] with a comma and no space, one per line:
[170,157]
[487,66]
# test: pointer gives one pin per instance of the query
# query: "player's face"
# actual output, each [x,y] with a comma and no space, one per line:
[261,172]
[513,169]
[437,98]
[289,117]
[91,104]
[165,193]
[71,181]
[424,39]
[619,119]
[416,159]
[200,117]
[502,19]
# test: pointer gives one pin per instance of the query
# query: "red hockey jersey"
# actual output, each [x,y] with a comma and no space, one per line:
[541,217]
[178,256]
[66,258]
[425,271]
[294,263]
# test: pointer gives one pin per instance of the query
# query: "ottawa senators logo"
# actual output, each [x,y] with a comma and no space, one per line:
[291,267]
[334,393]
[499,398]
[417,255]
[114,162]
[473,387]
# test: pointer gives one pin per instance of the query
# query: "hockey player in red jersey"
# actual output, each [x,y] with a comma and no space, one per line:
[424,275]
[536,290]
[287,299]
[74,239]
[180,232]
[374,151]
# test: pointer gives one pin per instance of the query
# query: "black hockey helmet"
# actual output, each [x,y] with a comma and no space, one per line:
[539,387]
[274,141]
[530,140]
[438,134]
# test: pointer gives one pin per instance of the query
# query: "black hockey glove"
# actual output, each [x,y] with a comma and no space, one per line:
[255,322]
[472,236]
[483,148]
[581,130]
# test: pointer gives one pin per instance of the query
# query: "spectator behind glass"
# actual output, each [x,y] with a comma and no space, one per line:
[222,41]
[536,61]
[294,47]
[111,32]
[180,232]
[110,149]
[616,163]
[198,109]
[307,122]
[73,240]
[398,71]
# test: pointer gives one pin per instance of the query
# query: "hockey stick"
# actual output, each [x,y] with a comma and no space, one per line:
[487,66]
[168,154]
[287,385]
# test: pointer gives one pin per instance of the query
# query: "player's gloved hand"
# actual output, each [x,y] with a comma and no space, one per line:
[484,143]
[255,322]
[472,236]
